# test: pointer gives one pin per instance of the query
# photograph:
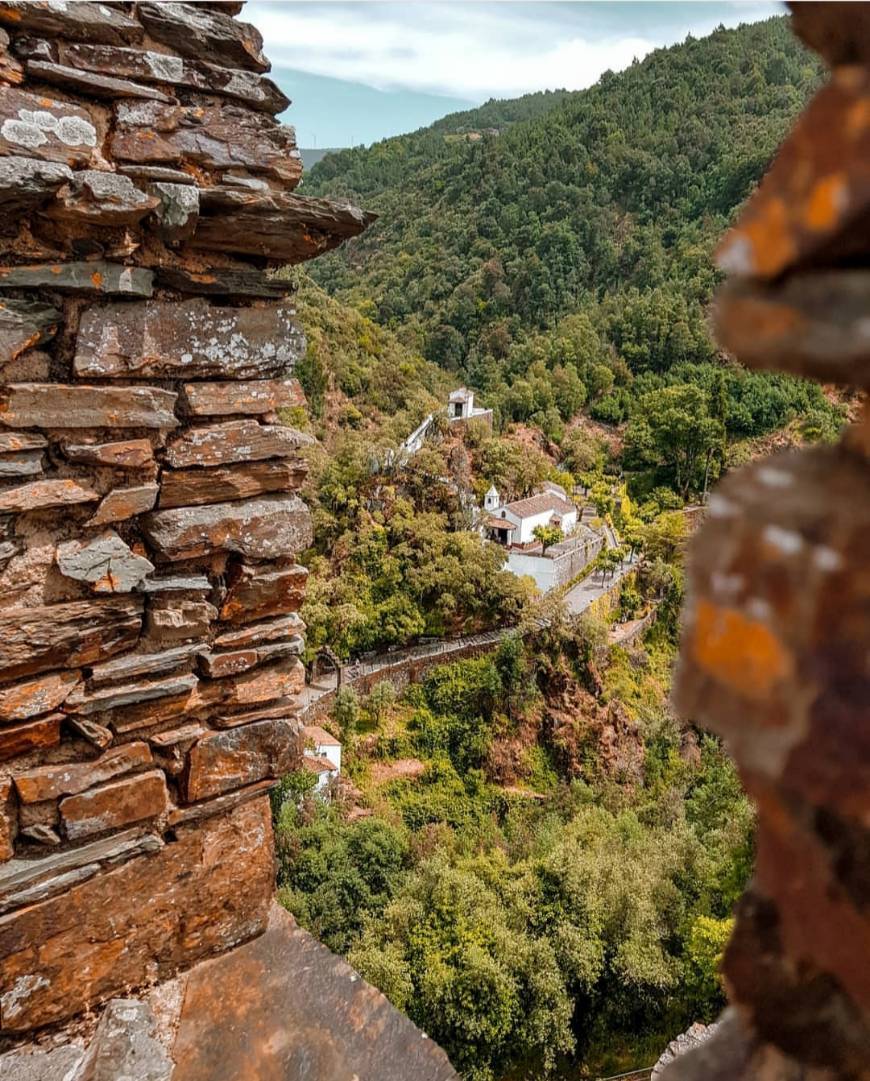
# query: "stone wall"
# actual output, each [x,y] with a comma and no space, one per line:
[776,647]
[149,641]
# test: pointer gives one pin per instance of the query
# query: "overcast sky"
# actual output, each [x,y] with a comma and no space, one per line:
[358,72]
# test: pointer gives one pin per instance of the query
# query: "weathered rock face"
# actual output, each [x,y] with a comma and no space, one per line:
[148,495]
[777,627]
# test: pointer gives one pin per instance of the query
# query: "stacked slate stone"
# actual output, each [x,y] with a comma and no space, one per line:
[776,651]
[149,588]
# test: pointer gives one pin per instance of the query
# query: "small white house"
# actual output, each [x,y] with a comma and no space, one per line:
[322,755]
[515,523]
[460,406]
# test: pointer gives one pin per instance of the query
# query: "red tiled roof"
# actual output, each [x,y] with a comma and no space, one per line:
[538,504]
[499,523]
[317,763]
[316,734]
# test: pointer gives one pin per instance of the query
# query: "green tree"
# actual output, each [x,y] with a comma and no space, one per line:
[548,535]
[673,429]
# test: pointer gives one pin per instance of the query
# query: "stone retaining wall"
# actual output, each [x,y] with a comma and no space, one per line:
[149,641]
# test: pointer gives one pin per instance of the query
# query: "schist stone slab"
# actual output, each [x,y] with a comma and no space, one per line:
[116,804]
[270,631]
[210,135]
[271,527]
[258,592]
[191,487]
[22,463]
[186,339]
[55,405]
[205,35]
[98,198]
[123,503]
[146,66]
[225,281]
[227,398]
[51,782]
[83,701]
[68,19]
[26,183]
[174,583]
[289,227]
[140,664]
[123,454]
[39,127]
[177,212]
[97,277]
[234,757]
[90,83]
[15,441]
[105,562]
[24,324]
[39,735]
[43,495]
[40,694]
[38,639]
[234,441]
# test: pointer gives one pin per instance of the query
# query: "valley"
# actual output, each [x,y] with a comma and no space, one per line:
[526,850]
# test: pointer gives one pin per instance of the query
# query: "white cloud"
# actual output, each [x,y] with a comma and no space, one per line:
[471,51]
[478,50]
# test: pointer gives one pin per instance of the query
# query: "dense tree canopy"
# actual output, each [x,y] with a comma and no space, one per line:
[564,264]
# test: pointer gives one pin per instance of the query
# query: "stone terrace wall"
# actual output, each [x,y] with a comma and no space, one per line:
[776,649]
[149,641]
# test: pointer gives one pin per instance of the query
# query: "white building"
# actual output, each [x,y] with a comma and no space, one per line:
[491,500]
[514,524]
[560,562]
[322,755]
[460,406]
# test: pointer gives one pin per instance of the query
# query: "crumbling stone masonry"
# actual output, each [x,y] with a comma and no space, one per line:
[776,648]
[149,635]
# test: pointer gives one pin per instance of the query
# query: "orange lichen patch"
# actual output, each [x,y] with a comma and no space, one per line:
[20,701]
[97,279]
[738,651]
[763,245]
[828,199]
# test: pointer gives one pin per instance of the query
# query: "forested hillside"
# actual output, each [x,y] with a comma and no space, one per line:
[564,264]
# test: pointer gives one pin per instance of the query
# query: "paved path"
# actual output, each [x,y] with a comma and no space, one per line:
[594,586]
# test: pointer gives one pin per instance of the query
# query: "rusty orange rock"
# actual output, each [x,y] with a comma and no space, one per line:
[18,701]
[258,592]
[8,820]
[38,639]
[38,735]
[123,503]
[51,782]
[194,487]
[254,398]
[45,494]
[222,761]
[139,922]
[116,804]
[123,454]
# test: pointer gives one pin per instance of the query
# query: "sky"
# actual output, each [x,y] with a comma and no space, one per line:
[362,71]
